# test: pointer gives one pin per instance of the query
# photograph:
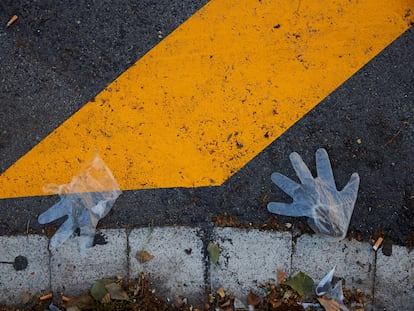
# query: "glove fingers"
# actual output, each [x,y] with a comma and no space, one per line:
[323,167]
[55,212]
[350,191]
[300,167]
[286,209]
[285,183]
[62,234]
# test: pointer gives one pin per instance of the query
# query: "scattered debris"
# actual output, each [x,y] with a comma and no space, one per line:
[213,252]
[253,299]
[329,304]
[326,289]
[46,297]
[52,307]
[143,256]
[98,290]
[12,20]
[116,292]
[120,294]
[221,292]
[387,247]
[87,199]
[301,283]
[378,243]
[65,299]
[281,276]
[328,210]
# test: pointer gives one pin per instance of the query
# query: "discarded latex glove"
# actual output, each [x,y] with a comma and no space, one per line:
[87,199]
[328,210]
[325,287]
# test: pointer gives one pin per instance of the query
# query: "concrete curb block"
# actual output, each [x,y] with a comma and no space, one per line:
[353,261]
[394,280]
[15,285]
[248,258]
[178,263]
[71,273]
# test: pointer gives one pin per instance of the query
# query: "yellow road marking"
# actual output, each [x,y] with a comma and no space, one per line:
[214,93]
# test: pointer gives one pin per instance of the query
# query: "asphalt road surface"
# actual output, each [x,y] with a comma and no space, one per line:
[58,55]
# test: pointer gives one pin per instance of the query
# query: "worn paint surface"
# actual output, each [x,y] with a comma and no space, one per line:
[214,93]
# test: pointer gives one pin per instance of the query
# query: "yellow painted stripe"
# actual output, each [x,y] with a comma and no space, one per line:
[214,93]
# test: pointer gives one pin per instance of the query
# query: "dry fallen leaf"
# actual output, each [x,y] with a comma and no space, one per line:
[106,298]
[213,252]
[329,304]
[221,292]
[276,303]
[301,283]
[253,299]
[98,290]
[116,291]
[83,302]
[179,302]
[143,256]
[281,276]
[226,304]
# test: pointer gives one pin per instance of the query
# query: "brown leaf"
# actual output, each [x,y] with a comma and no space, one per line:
[329,304]
[276,303]
[179,302]
[253,299]
[143,256]
[116,291]
[221,292]
[83,302]
[106,298]
[281,276]
[225,304]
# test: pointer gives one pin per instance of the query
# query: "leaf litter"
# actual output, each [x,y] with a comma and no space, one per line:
[119,294]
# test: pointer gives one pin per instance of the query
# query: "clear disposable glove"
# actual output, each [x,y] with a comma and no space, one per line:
[87,199]
[328,210]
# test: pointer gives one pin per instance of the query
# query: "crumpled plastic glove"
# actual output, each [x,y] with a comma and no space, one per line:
[328,210]
[87,199]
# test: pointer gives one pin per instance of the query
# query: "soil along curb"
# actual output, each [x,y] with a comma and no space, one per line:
[180,264]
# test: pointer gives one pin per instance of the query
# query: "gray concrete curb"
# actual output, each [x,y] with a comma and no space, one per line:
[248,258]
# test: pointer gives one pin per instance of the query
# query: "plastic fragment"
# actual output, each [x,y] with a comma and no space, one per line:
[326,288]
[328,210]
[325,284]
[85,200]
[52,307]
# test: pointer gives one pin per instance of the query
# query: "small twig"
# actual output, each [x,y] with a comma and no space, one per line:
[393,137]
[27,227]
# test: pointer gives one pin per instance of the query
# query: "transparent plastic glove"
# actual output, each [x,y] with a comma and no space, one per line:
[87,199]
[328,210]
